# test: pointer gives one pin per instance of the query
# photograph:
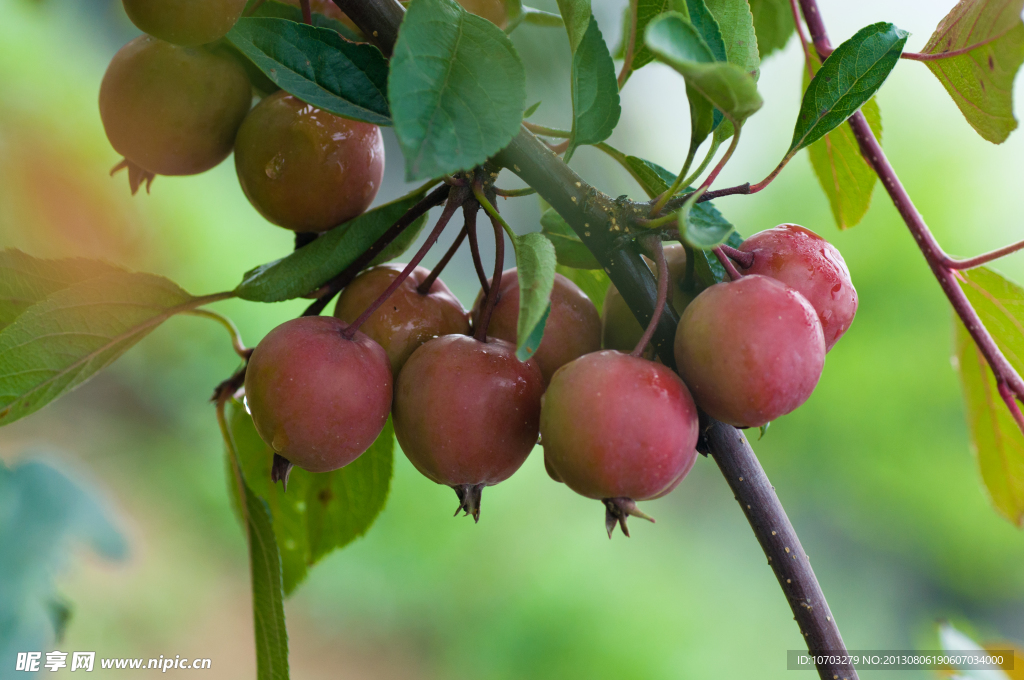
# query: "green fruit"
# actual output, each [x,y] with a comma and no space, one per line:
[185,22]
[172,110]
[619,328]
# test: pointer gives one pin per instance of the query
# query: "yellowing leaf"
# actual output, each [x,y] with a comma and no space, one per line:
[981,81]
[995,437]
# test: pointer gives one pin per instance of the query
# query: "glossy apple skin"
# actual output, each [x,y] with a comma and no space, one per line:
[573,327]
[185,22]
[619,328]
[318,399]
[467,412]
[811,265]
[407,319]
[305,169]
[750,350]
[614,426]
[173,110]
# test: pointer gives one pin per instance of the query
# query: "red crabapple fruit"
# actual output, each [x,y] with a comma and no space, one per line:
[466,413]
[810,265]
[620,429]
[573,327]
[305,169]
[408,318]
[750,350]
[318,399]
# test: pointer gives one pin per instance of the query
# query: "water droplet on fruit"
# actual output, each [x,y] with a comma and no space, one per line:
[275,166]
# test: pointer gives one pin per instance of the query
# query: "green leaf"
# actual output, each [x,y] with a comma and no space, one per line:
[535,261]
[646,12]
[312,266]
[26,280]
[46,516]
[698,228]
[532,109]
[737,28]
[848,78]
[593,282]
[457,89]
[569,248]
[595,92]
[707,27]
[995,437]
[844,175]
[729,88]
[773,24]
[59,343]
[981,81]
[279,10]
[704,118]
[736,24]
[267,592]
[576,15]
[538,17]
[320,512]
[707,269]
[318,66]
[654,179]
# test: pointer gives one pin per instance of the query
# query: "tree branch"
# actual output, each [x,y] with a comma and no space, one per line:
[942,265]
[601,222]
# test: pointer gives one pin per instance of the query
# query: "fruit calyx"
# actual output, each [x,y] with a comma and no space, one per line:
[469,499]
[280,470]
[136,175]
[617,510]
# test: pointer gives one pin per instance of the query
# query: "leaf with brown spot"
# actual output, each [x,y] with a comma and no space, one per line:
[981,81]
[320,512]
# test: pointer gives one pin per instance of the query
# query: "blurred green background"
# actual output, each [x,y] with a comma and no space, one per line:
[875,470]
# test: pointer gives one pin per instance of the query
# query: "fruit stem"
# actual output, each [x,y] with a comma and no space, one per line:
[424,287]
[470,209]
[307,13]
[480,332]
[334,286]
[627,63]
[455,200]
[236,337]
[654,249]
[515,193]
[734,273]
[745,260]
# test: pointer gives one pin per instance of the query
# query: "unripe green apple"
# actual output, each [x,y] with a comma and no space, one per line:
[619,328]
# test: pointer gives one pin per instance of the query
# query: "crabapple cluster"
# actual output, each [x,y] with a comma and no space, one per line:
[753,349]
[467,411]
[177,102]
